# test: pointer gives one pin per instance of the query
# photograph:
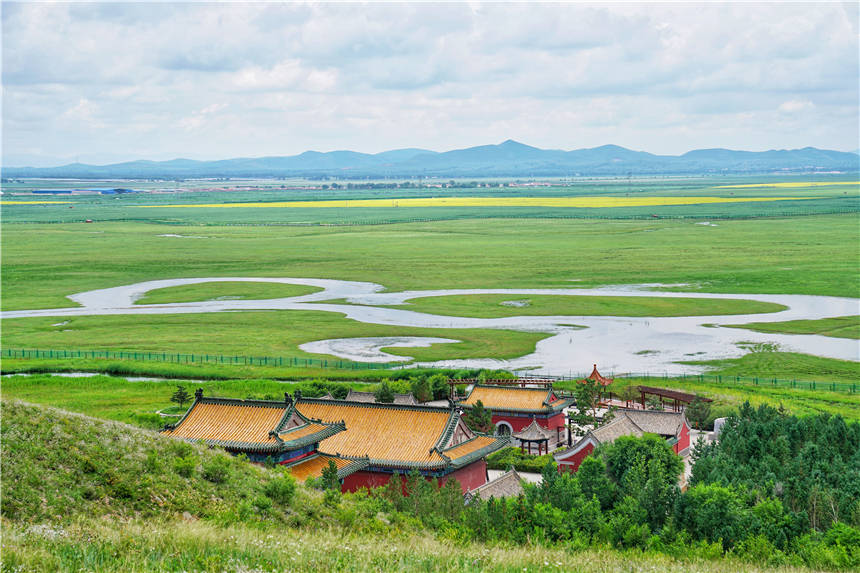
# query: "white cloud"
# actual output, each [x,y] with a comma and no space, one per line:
[222,80]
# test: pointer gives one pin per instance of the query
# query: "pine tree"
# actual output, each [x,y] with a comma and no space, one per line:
[479,418]
[181,396]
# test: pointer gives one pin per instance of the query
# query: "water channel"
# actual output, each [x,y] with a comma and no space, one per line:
[618,344]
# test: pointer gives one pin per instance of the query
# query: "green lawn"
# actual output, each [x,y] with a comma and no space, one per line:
[500,305]
[224,291]
[839,327]
[259,333]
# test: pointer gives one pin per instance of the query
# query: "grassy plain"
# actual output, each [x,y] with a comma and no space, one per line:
[810,255]
[224,291]
[838,327]
[493,306]
[259,333]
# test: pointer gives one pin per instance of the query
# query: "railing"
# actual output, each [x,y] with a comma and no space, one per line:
[179,358]
[850,387]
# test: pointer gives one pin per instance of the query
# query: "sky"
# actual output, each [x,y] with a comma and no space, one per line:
[101,83]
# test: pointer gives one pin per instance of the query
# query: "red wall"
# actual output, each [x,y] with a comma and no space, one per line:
[520,422]
[571,464]
[470,477]
[683,439]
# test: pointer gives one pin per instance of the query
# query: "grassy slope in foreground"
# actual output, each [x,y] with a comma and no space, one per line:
[42,264]
[492,306]
[839,327]
[224,291]
[265,333]
[83,494]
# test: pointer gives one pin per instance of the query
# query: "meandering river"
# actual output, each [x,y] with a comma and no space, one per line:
[616,343]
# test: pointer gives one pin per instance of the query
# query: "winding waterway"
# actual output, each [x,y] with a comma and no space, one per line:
[618,344]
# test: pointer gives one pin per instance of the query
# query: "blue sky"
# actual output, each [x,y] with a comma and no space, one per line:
[102,83]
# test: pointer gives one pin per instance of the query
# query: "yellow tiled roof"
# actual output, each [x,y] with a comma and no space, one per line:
[501,398]
[301,431]
[313,467]
[230,423]
[381,432]
[470,446]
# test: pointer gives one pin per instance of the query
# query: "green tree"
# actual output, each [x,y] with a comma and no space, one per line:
[384,394]
[697,412]
[422,389]
[181,396]
[587,401]
[331,484]
[480,419]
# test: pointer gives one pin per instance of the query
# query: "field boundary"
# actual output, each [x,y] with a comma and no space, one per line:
[293,361]
[180,358]
[717,379]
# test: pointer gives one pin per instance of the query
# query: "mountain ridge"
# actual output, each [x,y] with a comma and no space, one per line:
[507,159]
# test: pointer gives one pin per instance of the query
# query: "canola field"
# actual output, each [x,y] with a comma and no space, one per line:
[580,202]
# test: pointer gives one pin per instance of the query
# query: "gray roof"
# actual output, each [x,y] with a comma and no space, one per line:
[533,432]
[656,422]
[366,397]
[405,399]
[370,398]
[622,425]
[509,484]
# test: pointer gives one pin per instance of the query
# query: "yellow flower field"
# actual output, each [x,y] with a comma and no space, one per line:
[583,202]
[791,184]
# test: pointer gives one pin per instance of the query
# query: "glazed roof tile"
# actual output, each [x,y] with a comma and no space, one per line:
[474,449]
[313,466]
[387,434]
[597,377]
[249,425]
[512,398]
[237,423]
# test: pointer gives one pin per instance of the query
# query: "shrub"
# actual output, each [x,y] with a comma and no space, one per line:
[217,469]
[281,489]
[184,466]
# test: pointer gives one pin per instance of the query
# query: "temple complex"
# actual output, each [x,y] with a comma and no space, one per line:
[367,442]
[515,407]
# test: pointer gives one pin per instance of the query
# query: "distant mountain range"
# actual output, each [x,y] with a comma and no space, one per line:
[507,159]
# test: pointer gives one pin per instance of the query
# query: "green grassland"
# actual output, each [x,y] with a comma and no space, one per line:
[137,402]
[224,291]
[839,327]
[85,494]
[42,264]
[492,306]
[258,333]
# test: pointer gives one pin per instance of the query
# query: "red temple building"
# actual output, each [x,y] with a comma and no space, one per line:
[514,408]
[368,443]
[670,425]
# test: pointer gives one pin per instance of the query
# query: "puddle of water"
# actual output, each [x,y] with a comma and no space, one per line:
[370,349]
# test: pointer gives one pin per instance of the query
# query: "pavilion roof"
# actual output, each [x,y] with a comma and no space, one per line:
[534,432]
[312,467]
[249,425]
[597,377]
[508,398]
[398,436]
